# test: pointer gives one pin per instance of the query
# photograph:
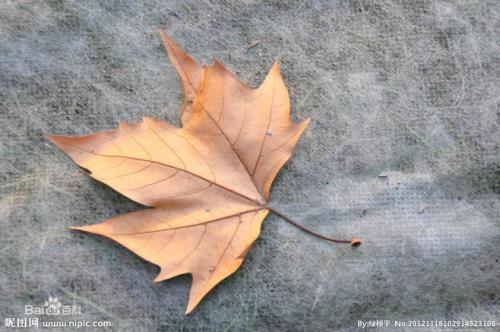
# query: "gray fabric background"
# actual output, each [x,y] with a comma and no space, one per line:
[408,90]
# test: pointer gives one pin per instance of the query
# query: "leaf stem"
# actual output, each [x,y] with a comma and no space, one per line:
[353,242]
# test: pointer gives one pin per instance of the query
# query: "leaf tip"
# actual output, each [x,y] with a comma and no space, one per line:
[58,140]
[168,43]
[355,242]
[50,137]
[276,65]
[217,63]
[163,35]
[86,228]
[190,307]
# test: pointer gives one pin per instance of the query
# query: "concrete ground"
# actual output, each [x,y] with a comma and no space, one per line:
[402,151]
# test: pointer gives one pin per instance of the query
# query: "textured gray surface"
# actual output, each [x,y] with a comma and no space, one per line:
[405,88]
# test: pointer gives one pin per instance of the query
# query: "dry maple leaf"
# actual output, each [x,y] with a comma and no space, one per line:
[207,183]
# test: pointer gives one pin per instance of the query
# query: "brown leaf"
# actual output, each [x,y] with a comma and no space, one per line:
[208,182]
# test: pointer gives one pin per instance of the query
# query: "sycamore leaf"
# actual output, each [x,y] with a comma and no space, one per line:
[207,183]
